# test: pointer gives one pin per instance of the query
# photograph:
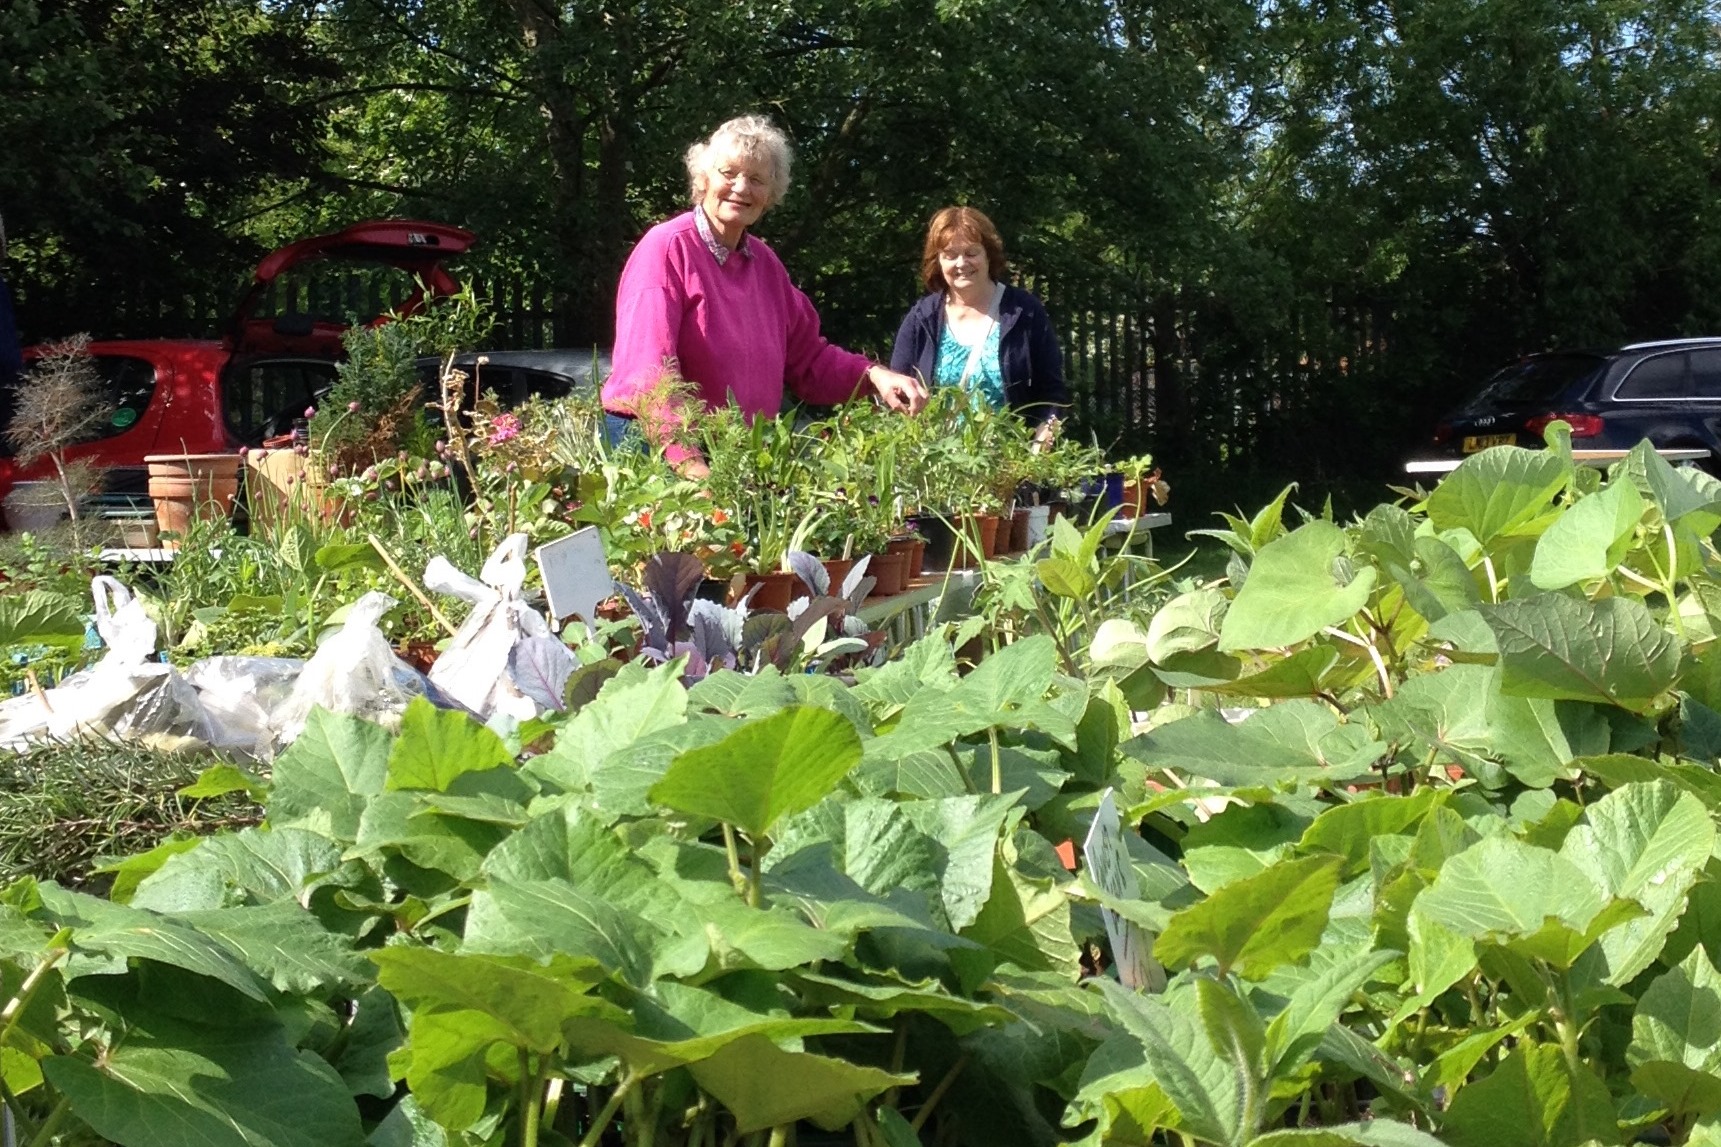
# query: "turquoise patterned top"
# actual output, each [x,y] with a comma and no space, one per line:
[986,379]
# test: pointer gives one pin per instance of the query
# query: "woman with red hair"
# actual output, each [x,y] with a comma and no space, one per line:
[974,330]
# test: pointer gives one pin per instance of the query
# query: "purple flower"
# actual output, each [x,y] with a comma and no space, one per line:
[504,427]
[310,412]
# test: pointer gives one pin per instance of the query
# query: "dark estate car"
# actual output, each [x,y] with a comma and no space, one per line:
[1668,392]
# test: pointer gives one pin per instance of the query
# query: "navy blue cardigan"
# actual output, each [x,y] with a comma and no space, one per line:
[1028,354]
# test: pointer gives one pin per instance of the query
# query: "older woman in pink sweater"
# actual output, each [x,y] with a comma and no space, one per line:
[702,300]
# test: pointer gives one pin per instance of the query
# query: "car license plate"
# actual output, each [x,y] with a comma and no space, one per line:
[1477,442]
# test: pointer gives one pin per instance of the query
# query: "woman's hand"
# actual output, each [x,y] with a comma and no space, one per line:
[898,391]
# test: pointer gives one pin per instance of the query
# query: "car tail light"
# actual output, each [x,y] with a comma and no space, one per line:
[1442,433]
[1583,425]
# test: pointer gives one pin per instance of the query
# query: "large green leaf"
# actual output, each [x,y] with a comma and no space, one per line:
[762,1085]
[1295,741]
[1589,539]
[1188,623]
[1294,591]
[113,933]
[284,944]
[567,884]
[1677,493]
[1558,646]
[168,1085]
[1498,491]
[525,1002]
[437,745]
[405,824]
[1503,887]
[1460,715]
[1535,1098]
[765,770]
[1025,923]
[332,768]
[1648,842]
[1675,1050]
[1256,923]
[38,614]
[1204,1088]
[631,705]
[1436,582]
[1007,691]
[254,866]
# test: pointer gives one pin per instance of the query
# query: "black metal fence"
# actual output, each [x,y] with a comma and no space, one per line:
[1166,372]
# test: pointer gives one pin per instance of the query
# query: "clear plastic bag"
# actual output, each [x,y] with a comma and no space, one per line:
[354,671]
[503,659]
[238,696]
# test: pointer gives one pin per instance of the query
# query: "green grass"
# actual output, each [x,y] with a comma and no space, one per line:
[66,808]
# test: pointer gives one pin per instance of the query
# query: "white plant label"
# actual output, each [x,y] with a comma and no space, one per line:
[576,575]
[1107,858]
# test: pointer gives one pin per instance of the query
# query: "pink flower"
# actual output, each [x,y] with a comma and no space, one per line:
[352,408]
[504,427]
[310,412]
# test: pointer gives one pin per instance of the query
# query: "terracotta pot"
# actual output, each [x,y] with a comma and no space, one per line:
[891,570]
[1019,530]
[281,483]
[775,590]
[913,551]
[1134,503]
[969,542]
[988,524]
[838,569]
[191,487]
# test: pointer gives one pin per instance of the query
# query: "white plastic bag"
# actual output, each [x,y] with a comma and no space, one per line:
[503,659]
[238,696]
[355,671]
[126,694]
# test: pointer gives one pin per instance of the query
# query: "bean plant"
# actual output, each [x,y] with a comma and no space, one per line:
[1419,833]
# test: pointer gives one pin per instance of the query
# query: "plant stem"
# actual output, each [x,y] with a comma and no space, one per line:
[553,1101]
[779,1135]
[735,876]
[756,874]
[897,1055]
[601,1120]
[925,1112]
[50,1125]
[16,1005]
[997,767]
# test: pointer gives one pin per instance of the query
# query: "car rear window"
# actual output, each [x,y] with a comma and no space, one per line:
[1538,380]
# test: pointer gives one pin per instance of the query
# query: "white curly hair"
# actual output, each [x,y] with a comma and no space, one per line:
[751,136]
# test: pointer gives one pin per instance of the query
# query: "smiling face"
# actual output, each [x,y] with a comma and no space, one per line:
[963,263]
[737,191]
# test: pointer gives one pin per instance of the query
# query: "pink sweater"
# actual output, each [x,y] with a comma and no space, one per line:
[737,328]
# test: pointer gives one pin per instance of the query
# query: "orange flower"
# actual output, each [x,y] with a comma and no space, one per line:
[645,519]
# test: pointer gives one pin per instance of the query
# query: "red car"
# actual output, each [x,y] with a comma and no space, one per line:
[201,396]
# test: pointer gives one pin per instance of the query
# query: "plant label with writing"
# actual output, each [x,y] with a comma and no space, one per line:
[576,575]
[1109,867]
